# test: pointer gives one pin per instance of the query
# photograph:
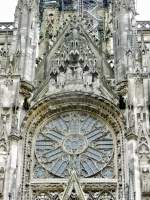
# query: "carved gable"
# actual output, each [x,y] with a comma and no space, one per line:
[76,65]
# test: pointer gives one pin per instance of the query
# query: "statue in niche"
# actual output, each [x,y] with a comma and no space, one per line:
[133,20]
[54,67]
[61,79]
[79,72]
[130,61]
[145,176]
[87,78]
[69,74]
[51,86]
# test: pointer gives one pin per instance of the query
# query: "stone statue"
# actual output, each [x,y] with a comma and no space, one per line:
[69,74]
[61,79]
[90,79]
[52,86]
[79,73]
[133,20]
[130,61]
[87,78]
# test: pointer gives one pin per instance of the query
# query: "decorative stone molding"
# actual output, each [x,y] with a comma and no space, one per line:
[14,137]
[9,80]
[131,136]
[41,111]
[26,88]
[121,88]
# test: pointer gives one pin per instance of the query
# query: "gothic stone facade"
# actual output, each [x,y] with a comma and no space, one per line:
[75,102]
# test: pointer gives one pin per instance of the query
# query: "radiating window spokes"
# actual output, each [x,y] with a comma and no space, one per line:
[76,141]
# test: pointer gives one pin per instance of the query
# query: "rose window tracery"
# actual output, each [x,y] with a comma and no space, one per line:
[74,141]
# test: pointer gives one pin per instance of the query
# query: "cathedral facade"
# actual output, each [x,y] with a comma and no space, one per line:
[75,102]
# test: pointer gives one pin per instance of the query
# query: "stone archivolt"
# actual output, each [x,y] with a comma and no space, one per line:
[41,112]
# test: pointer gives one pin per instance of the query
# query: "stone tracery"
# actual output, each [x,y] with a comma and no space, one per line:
[37,123]
[76,141]
[74,62]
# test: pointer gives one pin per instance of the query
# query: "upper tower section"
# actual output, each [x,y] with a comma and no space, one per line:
[26,33]
[123,23]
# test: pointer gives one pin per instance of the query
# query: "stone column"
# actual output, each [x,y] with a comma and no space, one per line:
[11,166]
[134,170]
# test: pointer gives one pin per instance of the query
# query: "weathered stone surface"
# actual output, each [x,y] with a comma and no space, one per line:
[74,102]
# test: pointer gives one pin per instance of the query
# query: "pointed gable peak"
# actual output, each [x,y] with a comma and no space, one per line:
[74,187]
[143,45]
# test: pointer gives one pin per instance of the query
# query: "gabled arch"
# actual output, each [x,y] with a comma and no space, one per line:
[67,36]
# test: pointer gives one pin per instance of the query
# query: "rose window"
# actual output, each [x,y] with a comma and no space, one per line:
[76,141]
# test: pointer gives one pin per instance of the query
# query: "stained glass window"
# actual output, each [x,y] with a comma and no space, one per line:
[78,141]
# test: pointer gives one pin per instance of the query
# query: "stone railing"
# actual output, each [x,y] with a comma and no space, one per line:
[143,25]
[6,26]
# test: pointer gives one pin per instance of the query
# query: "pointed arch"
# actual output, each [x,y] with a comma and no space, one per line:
[41,111]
